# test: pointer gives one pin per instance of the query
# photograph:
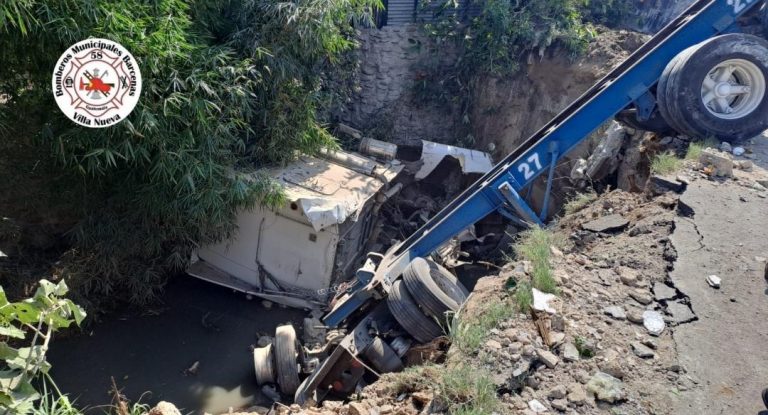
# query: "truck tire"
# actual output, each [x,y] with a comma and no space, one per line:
[263,362]
[286,358]
[434,288]
[409,315]
[718,88]
[665,97]
[382,357]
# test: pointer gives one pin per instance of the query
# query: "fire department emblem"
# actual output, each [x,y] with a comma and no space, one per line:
[96,83]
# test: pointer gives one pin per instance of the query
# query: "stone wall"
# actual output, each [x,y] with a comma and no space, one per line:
[390,60]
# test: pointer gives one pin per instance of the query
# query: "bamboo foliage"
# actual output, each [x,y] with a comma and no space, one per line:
[229,87]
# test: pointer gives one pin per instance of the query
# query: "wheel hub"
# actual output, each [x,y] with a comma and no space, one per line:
[733,89]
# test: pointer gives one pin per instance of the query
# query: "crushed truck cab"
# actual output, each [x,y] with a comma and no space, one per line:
[299,254]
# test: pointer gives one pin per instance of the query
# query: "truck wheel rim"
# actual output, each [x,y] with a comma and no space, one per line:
[733,89]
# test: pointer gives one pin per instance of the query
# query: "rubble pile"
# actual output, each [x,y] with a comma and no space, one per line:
[608,331]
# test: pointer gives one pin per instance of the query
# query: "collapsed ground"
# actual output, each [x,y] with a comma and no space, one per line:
[620,261]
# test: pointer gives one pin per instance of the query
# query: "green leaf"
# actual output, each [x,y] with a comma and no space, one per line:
[8,352]
[11,331]
[77,312]
[10,379]
[26,312]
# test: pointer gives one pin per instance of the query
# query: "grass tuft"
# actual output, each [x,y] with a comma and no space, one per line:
[524,296]
[468,334]
[665,163]
[534,246]
[579,202]
[695,148]
[468,390]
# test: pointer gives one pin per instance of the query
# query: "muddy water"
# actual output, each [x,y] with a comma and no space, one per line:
[147,354]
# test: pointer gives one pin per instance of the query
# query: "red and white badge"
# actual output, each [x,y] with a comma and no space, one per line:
[96,83]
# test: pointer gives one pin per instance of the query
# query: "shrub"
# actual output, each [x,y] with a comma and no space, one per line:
[31,323]
[229,88]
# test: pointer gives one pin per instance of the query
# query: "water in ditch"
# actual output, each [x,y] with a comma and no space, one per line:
[149,353]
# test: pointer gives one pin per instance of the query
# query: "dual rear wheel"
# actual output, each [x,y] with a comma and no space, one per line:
[715,89]
[423,299]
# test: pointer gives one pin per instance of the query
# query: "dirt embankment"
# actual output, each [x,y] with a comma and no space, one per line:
[509,110]
[629,327]
[597,354]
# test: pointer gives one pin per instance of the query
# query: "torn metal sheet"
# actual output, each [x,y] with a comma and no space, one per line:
[472,161]
[328,192]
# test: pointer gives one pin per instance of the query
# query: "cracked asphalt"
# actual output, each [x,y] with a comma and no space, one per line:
[726,349]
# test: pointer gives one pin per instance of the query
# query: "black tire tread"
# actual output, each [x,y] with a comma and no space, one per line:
[286,355]
[409,315]
[434,288]
[678,92]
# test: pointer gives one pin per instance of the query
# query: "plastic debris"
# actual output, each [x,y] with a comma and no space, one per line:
[537,406]
[541,302]
[714,281]
[739,151]
[654,322]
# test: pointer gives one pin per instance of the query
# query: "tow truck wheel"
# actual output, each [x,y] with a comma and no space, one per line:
[382,357]
[263,362]
[434,287]
[409,315]
[718,88]
[286,357]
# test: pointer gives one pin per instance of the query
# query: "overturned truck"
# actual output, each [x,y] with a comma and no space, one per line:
[697,76]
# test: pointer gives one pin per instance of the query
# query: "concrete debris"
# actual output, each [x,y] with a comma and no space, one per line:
[681,313]
[630,277]
[548,358]
[357,408]
[556,338]
[606,388]
[579,171]
[541,302]
[641,297]
[570,353]
[726,147]
[493,345]
[164,408]
[745,165]
[607,224]
[714,281]
[560,404]
[652,343]
[716,163]
[577,395]
[654,322]
[558,392]
[663,292]
[615,312]
[537,407]
[635,315]
[612,364]
[604,160]
[642,351]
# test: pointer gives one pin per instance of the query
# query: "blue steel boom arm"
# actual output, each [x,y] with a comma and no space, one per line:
[631,83]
